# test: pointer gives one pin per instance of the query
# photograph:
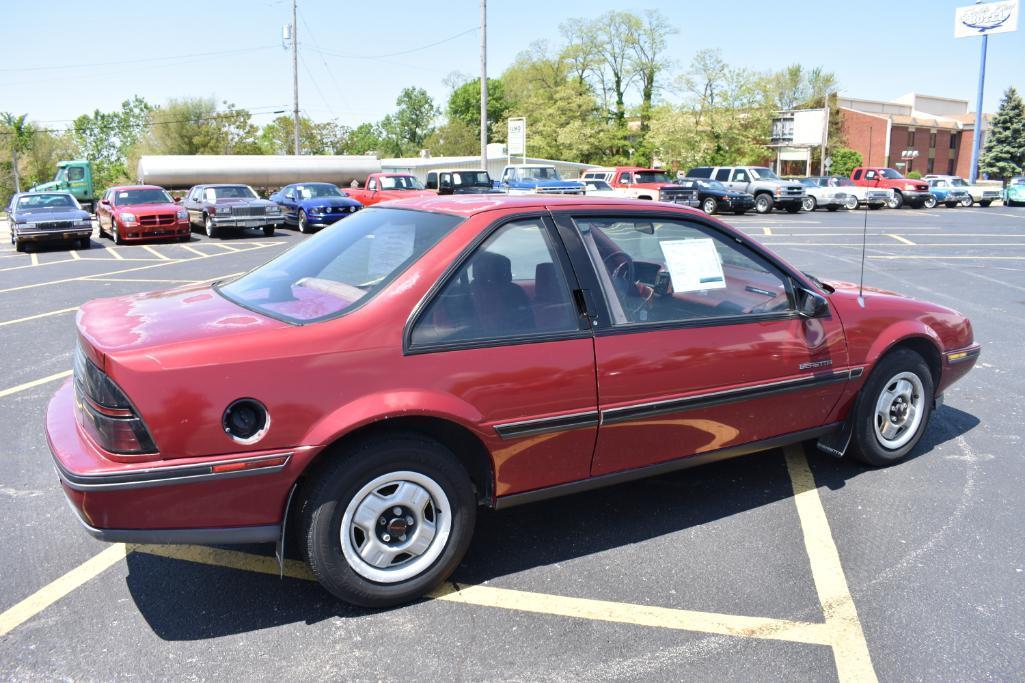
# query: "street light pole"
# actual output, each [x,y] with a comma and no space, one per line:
[295,76]
[484,84]
[973,173]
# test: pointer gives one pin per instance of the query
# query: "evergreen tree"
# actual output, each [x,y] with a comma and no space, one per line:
[1004,154]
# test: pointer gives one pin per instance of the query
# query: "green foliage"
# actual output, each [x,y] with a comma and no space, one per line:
[278,136]
[914,175]
[412,123]
[845,160]
[455,138]
[16,134]
[366,138]
[464,104]
[1004,153]
[107,138]
[198,126]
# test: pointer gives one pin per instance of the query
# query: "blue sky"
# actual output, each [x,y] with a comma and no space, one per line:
[158,50]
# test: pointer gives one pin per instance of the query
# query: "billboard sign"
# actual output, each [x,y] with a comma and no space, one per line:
[799,128]
[517,140]
[984,19]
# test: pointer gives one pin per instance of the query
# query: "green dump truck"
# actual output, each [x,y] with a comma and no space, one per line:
[76,177]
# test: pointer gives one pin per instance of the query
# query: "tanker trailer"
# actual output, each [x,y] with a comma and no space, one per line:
[176,172]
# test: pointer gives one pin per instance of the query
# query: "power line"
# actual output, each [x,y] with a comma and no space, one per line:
[316,44]
[403,52]
[136,61]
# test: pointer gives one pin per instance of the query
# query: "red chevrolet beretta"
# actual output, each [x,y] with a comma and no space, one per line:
[135,213]
[372,386]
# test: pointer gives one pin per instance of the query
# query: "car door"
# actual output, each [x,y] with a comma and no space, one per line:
[192,205]
[698,344]
[103,209]
[505,324]
[290,203]
[740,180]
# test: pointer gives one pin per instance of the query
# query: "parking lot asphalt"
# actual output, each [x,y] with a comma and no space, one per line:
[776,565]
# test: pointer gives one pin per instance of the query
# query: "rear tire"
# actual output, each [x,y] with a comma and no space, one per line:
[896,201]
[985,202]
[852,203]
[19,245]
[268,230]
[809,204]
[930,202]
[710,206]
[415,486]
[210,227]
[893,409]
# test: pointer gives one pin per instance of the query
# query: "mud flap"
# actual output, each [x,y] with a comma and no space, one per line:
[279,547]
[835,443]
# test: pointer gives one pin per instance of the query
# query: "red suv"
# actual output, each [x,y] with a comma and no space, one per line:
[372,386]
[136,213]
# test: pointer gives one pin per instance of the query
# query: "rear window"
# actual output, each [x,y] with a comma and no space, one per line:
[700,172]
[341,267]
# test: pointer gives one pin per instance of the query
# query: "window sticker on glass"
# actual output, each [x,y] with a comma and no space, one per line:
[392,245]
[693,265]
[122,195]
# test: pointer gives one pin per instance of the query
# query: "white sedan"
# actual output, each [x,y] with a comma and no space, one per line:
[872,197]
[821,196]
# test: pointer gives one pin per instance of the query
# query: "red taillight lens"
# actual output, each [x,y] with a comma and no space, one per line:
[106,414]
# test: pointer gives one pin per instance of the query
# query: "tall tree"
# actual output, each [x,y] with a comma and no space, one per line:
[324,137]
[17,133]
[106,138]
[648,46]
[413,121]
[1004,153]
[611,64]
[198,126]
[464,104]
[366,138]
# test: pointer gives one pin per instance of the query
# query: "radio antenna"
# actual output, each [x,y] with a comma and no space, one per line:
[864,233]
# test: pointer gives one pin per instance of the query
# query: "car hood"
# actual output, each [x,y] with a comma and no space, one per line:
[142,208]
[845,287]
[535,182]
[242,201]
[142,322]
[313,202]
[42,216]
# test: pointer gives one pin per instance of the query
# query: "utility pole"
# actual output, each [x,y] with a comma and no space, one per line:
[484,84]
[295,75]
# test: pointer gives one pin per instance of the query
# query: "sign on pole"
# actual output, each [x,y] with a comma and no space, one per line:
[517,141]
[984,19]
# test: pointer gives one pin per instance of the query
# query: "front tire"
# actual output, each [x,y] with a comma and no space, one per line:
[896,201]
[115,234]
[985,203]
[710,206]
[852,203]
[968,202]
[304,225]
[929,202]
[268,230]
[893,409]
[388,521]
[808,204]
[763,203]
[210,227]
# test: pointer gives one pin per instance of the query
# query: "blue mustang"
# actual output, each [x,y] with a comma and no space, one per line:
[314,205]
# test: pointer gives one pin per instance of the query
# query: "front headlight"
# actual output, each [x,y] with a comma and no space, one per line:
[127,217]
[182,214]
[274,208]
[909,187]
[222,210]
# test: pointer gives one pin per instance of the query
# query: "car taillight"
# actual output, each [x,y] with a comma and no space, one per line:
[106,414]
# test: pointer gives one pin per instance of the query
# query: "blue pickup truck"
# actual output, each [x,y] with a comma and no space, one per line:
[537,179]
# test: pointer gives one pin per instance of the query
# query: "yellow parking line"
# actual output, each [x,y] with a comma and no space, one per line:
[34,383]
[33,265]
[766,231]
[38,315]
[947,258]
[155,252]
[232,559]
[195,251]
[903,240]
[55,590]
[850,649]
[74,255]
[35,258]
[110,250]
[225,246]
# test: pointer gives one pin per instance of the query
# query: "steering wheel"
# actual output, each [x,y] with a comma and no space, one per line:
[623,270]
[624,277]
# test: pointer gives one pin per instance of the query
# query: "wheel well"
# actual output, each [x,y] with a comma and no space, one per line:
[463,443]
[924,348]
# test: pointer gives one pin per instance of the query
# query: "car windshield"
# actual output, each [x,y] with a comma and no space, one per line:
[599,185]
[712,185]
[45,202]
[341,267]
[463,178]
[839,181]
[147,196]
[400,182]
[318,190]
[764,173]
[1018,181]
[958,182]
[540,172]
[652,177]
[807,182]
[890,174]
[230,192]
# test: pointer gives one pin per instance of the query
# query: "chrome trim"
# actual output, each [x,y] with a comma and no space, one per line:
[165,476]
[680,463]
[714,398]
[559,423]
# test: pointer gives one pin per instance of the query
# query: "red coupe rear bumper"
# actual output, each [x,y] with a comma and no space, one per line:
[236,498]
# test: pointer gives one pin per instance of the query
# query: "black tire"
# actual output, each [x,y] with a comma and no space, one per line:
[185,238]
[709,205]
[210,227]
[85,243]
[268,230]
[115,234]
[897,201]
[809,203]
[304,226]
[763,203]
[866,445]
[791,208]
[99,229]
[19,245]
[336,488]
[985,202]
[929,202]
[969,202]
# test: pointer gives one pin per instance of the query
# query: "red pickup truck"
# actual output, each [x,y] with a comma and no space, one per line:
[643,183]
[914,193]
[383,187]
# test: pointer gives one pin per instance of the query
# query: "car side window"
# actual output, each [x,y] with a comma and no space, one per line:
[722,174]
[659,271]
[76,173]
[626,177]
[513,285]
[740,176]
[290,193]
[869,175]
[857,174]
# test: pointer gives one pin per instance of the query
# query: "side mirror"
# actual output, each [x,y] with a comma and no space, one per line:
[810,304]
[177,200]
[105,202]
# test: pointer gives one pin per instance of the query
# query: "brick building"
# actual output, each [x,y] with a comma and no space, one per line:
[938,128]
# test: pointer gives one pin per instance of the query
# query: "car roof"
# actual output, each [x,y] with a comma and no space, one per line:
[469,205]
[136,187]
[458,170]
[222,185]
